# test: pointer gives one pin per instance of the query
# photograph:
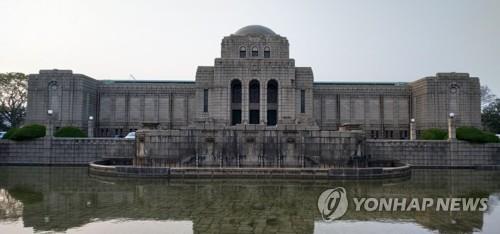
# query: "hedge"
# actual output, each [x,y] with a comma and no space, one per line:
[28,132]
[475,135]
[69,132]
[9,133]
[434,134]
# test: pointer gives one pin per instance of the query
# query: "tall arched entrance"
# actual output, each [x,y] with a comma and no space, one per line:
[254,102]
[235,102]
[272,102]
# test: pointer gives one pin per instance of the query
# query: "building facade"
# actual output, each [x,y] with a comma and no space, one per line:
[253,83]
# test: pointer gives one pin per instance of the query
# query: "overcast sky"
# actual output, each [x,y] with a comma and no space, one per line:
[383,40]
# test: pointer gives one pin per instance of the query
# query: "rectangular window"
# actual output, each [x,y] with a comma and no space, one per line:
[267,54]
[243,53]
[302,101]
[205,100]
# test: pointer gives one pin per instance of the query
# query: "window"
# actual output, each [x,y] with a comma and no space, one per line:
[272,91]
[235,102]
[302,101]
[403,134]
[243,52]
[255,52]
[235,91]
[254,100]
[254,94]
[272,102]
[389,134]
[267,52]
[205,100]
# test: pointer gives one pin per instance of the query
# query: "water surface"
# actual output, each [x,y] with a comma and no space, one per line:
[66,199]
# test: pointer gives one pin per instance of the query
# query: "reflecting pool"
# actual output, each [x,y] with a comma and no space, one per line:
[68,199]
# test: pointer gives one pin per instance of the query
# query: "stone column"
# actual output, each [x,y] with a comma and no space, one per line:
[452,134]
[413,130]
[90,127]
[263,103]
[244,102]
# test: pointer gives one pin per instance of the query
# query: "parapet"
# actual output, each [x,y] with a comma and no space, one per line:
[55,71]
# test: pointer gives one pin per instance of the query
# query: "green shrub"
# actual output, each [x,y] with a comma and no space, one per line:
[9,133]
[69,132]
[475,135]
[28,132]
[434,134]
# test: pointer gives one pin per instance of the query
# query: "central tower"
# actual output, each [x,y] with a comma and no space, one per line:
[254,82]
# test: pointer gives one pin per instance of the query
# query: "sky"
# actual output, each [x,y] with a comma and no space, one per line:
[383,40]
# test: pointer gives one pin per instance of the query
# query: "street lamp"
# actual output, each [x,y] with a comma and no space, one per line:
[452,133]
[50,112]
[90,126]
[413,130]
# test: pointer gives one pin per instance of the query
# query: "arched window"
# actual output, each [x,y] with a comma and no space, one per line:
[235,102]
[272,102]
[254,91]
[272,91]
[243,52]
[267,52]
[255,52]
[235,91]
[254,102]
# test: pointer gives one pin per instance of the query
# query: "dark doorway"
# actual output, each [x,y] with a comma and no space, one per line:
[271,117]
[235,117]
[254,116]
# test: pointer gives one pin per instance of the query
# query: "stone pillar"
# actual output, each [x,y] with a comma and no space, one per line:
[244,102]
[263,103]
[452,133]
[90,127]
[50,127]
[413,130]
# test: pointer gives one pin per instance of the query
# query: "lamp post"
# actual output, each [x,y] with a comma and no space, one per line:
[90,126]
[50,129]
[452,133]
[413,130]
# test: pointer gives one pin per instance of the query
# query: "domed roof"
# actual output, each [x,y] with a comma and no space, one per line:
[254,29]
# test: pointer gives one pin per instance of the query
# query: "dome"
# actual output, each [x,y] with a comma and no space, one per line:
[254,29]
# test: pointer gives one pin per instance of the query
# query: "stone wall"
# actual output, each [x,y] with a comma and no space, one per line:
[124,106]
[423,153]
[64,151]
[382,109]
[249,146]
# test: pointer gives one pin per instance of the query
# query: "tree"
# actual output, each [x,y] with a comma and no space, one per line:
[491,117]
[13,98]
[487,97]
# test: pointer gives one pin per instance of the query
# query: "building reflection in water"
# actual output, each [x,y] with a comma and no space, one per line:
[68,199]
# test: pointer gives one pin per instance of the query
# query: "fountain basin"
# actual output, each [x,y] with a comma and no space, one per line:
[124,168]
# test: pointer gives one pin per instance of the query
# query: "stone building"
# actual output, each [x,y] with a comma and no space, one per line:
[253,83]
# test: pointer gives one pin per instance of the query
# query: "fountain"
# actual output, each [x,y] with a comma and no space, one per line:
[251,151]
